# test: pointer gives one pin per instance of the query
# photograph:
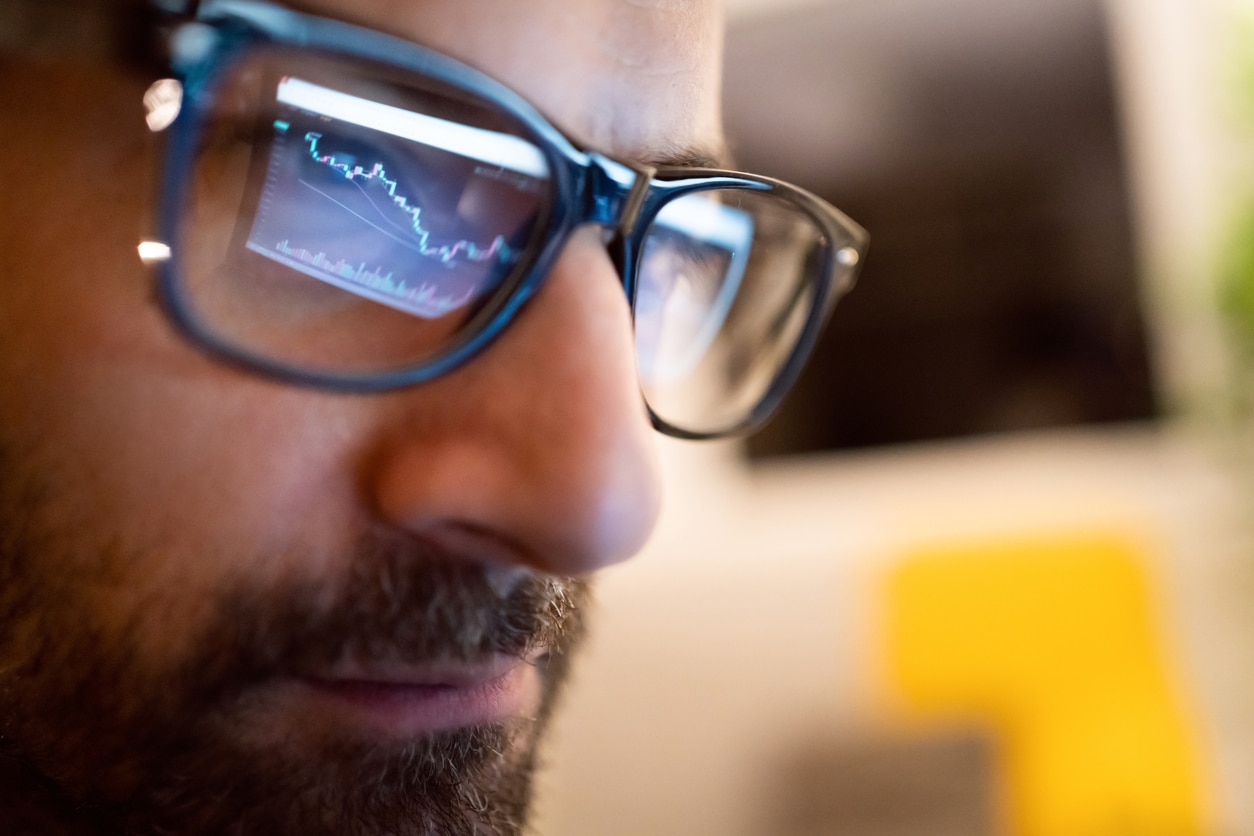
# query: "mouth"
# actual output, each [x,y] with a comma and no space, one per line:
[395,700]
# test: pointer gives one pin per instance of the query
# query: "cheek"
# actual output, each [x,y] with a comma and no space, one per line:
[208,480]
[148,448]
[68,234]
[141,441]
[158,495]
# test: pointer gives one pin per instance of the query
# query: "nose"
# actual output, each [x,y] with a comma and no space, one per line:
[538,452]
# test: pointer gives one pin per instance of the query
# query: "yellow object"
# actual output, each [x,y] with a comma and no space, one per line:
[1052,644]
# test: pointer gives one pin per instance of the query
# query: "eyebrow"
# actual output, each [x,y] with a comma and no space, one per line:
[689,157]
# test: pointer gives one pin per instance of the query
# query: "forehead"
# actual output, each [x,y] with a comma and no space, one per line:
[633,77]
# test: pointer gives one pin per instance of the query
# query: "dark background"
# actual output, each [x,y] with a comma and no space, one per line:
[980,144]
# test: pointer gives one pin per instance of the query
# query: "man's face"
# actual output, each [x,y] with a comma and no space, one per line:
[229,602]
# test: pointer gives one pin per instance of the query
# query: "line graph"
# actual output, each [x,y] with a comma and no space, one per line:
[415,237]
[347,208]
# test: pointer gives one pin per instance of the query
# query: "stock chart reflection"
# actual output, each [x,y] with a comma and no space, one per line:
[416,212]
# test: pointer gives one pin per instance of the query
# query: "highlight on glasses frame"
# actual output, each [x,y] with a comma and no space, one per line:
[347,210]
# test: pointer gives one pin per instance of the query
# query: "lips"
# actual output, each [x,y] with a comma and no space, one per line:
[401,700]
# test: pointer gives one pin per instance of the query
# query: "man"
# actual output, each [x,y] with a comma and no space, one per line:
[313,559]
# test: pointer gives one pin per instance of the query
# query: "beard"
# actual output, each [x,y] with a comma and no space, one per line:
[117,741]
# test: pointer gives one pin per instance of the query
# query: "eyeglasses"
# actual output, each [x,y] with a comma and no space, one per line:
[347,210]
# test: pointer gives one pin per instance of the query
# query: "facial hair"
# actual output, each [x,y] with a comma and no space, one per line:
[120,743]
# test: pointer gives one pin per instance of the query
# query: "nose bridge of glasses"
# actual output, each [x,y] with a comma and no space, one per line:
[614,192]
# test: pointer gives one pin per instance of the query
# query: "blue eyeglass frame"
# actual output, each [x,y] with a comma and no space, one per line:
[588,188]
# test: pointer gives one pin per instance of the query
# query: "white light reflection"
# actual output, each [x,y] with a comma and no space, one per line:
[151,252]
[162,102]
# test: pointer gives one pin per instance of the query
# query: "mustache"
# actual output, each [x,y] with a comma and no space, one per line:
[402,599]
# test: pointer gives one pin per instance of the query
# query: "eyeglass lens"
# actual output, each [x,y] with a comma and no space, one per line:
[726,283]
[342,221]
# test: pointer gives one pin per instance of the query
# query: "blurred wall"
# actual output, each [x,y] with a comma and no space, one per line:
[769,667]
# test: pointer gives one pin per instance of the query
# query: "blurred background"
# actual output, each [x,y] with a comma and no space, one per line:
[990,572]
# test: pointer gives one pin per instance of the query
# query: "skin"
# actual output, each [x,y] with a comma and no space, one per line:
[142,483]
